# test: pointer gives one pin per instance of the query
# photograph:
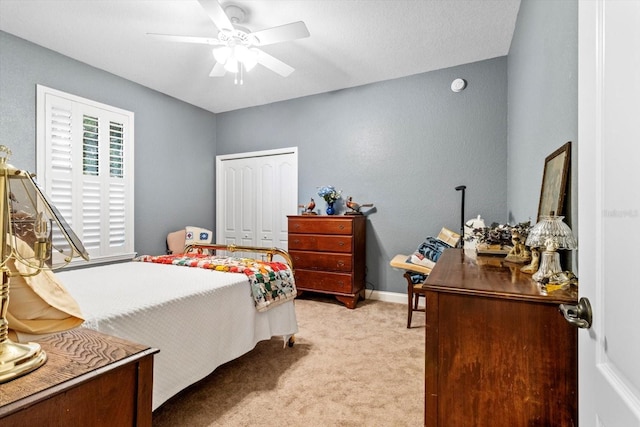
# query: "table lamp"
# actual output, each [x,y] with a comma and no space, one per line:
[37,236]
[550,233]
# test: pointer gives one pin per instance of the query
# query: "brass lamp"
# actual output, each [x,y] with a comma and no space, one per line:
[550,233]
[37,236]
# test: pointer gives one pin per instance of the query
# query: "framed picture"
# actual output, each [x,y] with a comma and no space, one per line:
[554,181]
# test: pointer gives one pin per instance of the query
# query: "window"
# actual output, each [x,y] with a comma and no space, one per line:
[85,166]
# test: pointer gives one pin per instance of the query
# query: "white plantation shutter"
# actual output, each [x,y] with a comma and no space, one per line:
[85,165]
[116,150]
[90,145]
[117,217]
[60,160]
[117,187]
[91,215]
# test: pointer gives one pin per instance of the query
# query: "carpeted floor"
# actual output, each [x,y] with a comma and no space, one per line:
[359,367]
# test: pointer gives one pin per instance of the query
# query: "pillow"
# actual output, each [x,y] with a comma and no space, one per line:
[428,252]
[39,304]
[197,235]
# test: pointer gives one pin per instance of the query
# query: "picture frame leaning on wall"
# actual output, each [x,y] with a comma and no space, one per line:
[554,181]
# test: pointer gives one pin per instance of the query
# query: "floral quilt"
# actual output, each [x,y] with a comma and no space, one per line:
[271,283]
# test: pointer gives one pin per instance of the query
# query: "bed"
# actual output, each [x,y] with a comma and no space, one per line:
[199,318]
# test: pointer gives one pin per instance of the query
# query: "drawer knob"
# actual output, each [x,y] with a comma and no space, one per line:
[340,243]
[341,227]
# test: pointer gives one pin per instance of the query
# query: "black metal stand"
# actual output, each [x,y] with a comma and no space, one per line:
[461,242]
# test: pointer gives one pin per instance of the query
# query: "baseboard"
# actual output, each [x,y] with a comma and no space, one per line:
[394,297]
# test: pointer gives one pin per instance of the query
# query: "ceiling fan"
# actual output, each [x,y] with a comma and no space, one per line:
[236,48]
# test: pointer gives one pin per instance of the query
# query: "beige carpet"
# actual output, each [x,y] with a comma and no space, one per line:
[359,367]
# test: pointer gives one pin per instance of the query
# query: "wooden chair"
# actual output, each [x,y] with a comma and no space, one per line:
[415,290]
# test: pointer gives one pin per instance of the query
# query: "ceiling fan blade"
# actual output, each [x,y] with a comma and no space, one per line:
[217,15]
[218,70]
[186,39]
[283,33]
[274,64]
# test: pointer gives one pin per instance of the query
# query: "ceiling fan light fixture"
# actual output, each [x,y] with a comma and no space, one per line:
[221,54]
[247,57]
[240,52]
[231,65]
[251,60]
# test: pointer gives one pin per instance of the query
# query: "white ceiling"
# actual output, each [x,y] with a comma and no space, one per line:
[352,42]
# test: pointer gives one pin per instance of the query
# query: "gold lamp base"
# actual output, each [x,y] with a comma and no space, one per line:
[17,359]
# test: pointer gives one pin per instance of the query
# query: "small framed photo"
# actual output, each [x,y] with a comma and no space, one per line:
[554,182]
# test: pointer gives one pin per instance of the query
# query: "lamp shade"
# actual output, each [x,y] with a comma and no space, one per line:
[231,65]
[38,235]
[248,57]
[551,230]
[221,54]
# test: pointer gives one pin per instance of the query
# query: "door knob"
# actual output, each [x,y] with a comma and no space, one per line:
[579,315]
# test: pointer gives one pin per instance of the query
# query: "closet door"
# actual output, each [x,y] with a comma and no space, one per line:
[236,203]
[255,193]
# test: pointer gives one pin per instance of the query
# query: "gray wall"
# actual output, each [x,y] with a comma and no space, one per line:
[402,144]
[543,101]
[174,141]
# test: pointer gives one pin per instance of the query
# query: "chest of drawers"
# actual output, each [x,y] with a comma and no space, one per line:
[328,254]
[498,350]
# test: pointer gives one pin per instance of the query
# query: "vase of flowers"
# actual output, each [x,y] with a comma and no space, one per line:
[330,195]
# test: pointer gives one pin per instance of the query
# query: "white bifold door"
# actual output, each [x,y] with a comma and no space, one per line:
[254,194]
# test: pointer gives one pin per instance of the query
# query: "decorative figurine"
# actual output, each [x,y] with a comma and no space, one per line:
[308,208]
[519,252]
[535,260]
[354,208]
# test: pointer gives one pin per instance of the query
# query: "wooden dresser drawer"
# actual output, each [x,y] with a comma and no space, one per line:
[320,242]
[320,225]
[324,281]
[321,261]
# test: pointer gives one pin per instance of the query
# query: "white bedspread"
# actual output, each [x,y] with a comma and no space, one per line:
[198,318]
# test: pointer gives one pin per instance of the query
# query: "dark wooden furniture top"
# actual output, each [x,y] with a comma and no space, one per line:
[328,254]
[89,378]
[461,272]
[498,351]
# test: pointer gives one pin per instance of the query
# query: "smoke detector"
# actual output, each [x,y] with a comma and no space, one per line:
[458,85]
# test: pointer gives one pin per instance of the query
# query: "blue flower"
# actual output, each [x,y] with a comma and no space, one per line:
[329,193]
